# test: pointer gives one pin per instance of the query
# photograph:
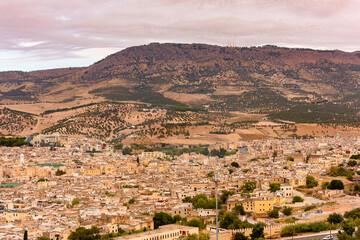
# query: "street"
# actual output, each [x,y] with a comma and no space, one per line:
[312,236]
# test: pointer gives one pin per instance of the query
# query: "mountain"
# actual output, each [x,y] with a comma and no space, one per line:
[302,85]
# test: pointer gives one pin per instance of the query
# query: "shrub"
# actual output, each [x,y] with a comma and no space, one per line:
[239,236]
[287,211]
[297,199]
[309,208]
[75,201]
[248,186]
[352,163]
[349,227]
[235,164]
[162,218]
[319,226]
[336,184]
[311,182]
[274,213]
[239,209]
[325,185]
[196,223]
[288,231]
[290,158]
[302,228]
[335,218]
[257,231]
[274,187]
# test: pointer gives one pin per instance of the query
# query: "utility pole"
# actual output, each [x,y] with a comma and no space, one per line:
[217,215]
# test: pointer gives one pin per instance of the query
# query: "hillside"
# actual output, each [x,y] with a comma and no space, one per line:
[301,85]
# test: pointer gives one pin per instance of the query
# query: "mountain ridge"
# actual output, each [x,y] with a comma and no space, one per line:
[265,79]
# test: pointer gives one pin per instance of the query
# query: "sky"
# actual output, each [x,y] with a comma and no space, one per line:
[45,34]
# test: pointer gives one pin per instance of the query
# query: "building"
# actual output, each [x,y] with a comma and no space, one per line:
[153,154]
[166,232]
[51,139]
[257,204]
[183,209]
[15,215]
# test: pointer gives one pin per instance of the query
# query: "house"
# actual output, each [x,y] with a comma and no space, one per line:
[166,232]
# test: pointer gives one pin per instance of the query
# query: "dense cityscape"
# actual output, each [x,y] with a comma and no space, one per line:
[58,184]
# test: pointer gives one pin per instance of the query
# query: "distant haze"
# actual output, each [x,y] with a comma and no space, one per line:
[40,34]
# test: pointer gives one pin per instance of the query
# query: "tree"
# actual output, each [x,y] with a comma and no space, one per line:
[311,182]
[204,236]
[273,187]
[25,235]
[210,174]
[239,236]
[201,201]
[218,153]
[238,224]
[192,237]
[336,184]
[290,158]
[43,238]
[344,236]
[239,209]
[201,236]
[349,227]
[357,233]
[297,199]
[75,201]
[227,220]
[352,163]
[83,233]
[132,200]
[287,211]
[231,171]
[325,185]
[126,151]
[274,155]
[335,218]
[353,214]
[274,213]
[177,218]
[248,186]
[162,218]
[288,231]
[355,156]
[196,223]
[258,231]
[118,146]
[59,172]
[235,164]
[232,221]
[225,196]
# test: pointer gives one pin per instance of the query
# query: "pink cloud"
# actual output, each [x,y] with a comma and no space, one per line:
[65,28]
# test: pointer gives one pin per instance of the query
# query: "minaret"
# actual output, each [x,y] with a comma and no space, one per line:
[22,159]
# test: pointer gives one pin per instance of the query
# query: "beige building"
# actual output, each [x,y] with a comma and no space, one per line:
[183,209]
[259,204]
[153,154]
[15,215]
[287,190]
[50,139]
[166,232]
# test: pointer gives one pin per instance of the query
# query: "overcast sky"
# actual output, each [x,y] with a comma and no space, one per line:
[43,34]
